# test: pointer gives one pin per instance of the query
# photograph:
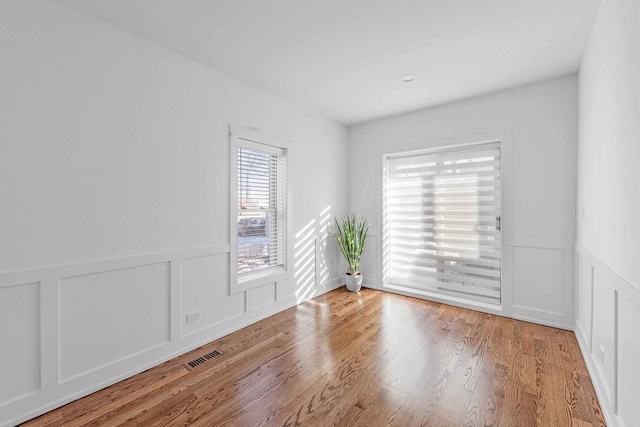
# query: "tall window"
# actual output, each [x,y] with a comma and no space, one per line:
[260,217]
[442,211]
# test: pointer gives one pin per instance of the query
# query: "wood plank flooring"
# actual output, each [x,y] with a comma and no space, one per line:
[360,359]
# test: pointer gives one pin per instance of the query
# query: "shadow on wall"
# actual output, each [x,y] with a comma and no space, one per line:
[312,270]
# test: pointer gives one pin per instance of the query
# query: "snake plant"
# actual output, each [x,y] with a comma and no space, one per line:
[351,235]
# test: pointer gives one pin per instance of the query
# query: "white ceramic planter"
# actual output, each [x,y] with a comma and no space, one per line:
[354,283]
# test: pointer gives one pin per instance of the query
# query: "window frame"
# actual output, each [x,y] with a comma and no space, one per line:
[253,139]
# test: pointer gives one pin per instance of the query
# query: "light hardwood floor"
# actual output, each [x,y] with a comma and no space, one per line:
[360,359]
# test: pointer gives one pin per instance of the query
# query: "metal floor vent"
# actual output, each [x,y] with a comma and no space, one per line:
[202,359]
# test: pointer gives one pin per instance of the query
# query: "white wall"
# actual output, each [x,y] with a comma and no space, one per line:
[114,182]
[542,122]
[608,236]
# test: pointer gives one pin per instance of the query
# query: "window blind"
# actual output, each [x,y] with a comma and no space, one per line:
[261,208]
[442,221]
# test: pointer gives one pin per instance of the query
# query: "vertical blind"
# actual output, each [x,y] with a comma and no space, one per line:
[442,221]
[261,208]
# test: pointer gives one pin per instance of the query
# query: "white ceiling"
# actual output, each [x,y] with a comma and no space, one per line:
[343,58]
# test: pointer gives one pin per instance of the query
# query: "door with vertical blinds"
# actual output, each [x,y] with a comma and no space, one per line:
[442,216]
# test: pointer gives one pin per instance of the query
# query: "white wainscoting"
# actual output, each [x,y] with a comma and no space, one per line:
[203,289]
[20,348]
[542,285]
[70,330]
[107,316]
[607,329]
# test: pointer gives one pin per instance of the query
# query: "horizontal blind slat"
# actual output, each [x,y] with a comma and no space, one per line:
[444,204]
[481,286]
[429,230]
[440,265]
[477,252]
[436,178]
[444,156]
[433,219]
[440,169]
[452,258]
[487,183]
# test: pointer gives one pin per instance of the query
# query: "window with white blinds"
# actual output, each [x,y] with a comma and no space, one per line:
[262,207]
[442,221]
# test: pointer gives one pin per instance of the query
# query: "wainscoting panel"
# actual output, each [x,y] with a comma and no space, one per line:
[542,282]
[628,373]
[537,274]
[584,298]
[263,296]
[604,332]
[205,290]
[284,290]
[20,343]
[108,316]
[607,325]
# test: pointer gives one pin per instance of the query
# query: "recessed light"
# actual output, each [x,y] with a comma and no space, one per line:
[408,78]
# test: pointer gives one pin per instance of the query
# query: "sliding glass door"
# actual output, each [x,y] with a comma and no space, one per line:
[441,221]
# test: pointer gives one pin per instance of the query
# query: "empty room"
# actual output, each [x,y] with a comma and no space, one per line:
[318,213]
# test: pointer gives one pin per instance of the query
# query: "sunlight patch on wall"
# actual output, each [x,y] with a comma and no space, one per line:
[304,262]
[322,264]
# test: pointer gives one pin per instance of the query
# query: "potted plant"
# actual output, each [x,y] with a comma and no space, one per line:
[351,235]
